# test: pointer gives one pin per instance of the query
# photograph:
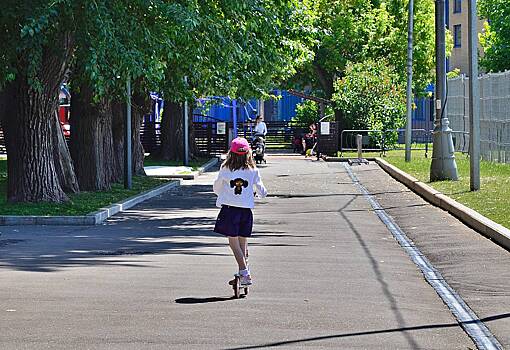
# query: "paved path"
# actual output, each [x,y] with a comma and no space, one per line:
[328,275]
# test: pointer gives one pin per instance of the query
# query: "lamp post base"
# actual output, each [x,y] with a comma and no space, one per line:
[443,165]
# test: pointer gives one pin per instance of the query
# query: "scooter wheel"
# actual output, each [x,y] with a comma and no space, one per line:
[236,288]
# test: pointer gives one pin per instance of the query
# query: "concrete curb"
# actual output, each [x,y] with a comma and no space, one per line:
[94,218]
[345,159]
[211,163]
[470,217]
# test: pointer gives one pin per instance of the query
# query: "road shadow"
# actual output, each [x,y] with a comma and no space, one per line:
[194,300]
[374,332]
[180,221]
[123,240]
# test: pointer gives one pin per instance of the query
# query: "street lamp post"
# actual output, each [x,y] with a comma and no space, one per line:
[234,118]
[186,129]
[474,99]
[443,165]
[409,93]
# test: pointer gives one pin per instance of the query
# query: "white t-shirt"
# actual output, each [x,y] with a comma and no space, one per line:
[261,128]
[236,188]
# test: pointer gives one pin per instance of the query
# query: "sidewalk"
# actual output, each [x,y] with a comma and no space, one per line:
[475,267]
[328,275]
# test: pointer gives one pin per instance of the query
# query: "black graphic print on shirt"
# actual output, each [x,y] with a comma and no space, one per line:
[238,184]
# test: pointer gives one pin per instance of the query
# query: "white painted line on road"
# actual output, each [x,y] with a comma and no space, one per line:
[466,317]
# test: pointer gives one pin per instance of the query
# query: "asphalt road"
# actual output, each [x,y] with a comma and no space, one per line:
[327,275]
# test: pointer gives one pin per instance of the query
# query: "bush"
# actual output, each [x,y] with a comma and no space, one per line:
[370,96]
[308,112]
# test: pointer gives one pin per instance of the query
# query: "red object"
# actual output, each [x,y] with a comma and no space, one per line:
[63,116]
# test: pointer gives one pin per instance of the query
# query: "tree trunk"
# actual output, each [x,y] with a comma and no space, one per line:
[142,105]
[326,81]
[172,146]
[62,158]
[92,141]
[28,127]
[118,113]
[7,102]
[193,148]
[31,172]
[138,153]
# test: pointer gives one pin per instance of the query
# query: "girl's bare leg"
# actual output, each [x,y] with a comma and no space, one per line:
[243,242]
[235,245]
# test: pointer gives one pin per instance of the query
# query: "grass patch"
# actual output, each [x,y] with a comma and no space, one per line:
[492,199]
[79,204]
[193,163]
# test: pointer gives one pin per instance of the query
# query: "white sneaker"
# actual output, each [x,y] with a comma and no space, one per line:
[246,280]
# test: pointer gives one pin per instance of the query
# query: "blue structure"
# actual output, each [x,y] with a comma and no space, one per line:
[283,109]
[286,106]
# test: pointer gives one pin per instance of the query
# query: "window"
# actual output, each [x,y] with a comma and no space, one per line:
[457,35]
[457,6]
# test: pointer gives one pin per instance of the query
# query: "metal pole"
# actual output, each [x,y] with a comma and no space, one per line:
[359,145]
[186,130]
[409,131]
[443,166]
[261,108]
[318,131]
[234,117]
[128,168]
[474,99]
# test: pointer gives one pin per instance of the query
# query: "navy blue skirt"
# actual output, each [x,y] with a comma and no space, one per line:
[234,221]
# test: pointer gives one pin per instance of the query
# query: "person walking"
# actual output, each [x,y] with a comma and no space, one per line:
[236,185]
[260,127]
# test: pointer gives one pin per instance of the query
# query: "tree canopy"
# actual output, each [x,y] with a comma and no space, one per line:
[223,47]
[495,39]
[352,31]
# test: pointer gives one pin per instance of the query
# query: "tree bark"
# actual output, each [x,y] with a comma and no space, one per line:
[31,171]
[62,158]
[92,140]
[118,113]
[193,148]
[326,81]
[172,146]
[142,105]
[28,127]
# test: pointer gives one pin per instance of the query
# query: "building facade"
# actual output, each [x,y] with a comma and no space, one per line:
[457,23]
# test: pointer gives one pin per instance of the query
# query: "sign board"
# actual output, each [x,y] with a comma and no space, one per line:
[221,128]
[324,128]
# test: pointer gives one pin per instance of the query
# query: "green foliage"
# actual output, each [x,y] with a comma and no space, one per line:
[239,49]
[495,39]
[423,41]
[370,96]
[26,29]
[308,112]
[236,48]
[453,73]
[357,30]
